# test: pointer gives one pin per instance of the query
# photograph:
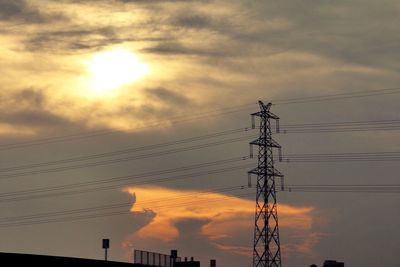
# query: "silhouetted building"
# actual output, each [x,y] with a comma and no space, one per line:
[16,259]
[141,259]
[191,263]
[330,263]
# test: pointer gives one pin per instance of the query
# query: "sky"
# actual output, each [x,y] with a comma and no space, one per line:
[102,102]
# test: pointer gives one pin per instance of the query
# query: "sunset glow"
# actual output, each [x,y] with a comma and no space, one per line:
[227,218]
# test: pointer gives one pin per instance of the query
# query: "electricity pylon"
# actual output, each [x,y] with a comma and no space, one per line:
[266,248]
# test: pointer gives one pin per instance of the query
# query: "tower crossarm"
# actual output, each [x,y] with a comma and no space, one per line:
[269,171]
[265,114]
[265,111]
[265,142]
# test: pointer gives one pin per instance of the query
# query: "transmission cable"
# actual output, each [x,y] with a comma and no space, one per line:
[112,161]
[124,178]
[215,112]
[54,193]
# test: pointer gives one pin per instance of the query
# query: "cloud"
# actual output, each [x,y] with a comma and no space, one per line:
[167,96]
[191,20]
[226,226]
[80,38]
[160,1]
[175,48]
[227,46]
[74,39]
[21,10]
[15,130]
[33,118]
[25,111]
[29,97]
[330,29]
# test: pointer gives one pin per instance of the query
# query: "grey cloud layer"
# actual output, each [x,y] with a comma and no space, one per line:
[237,37]
[27,108]
[22,11]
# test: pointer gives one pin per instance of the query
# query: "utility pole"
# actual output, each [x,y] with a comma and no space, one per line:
[266,248]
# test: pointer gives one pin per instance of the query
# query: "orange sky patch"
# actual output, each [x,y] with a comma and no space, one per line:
[225,215]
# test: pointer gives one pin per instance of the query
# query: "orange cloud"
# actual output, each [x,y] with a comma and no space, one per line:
[225,218]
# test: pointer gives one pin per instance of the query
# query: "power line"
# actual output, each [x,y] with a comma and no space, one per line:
[211,113]
[341,123]
[342,157]
[106,214]
[124,178]
[149,147]
[310,128]
[79,214]
[131,150]
[346,126]
[342,191]
[175,200]
[331,97]
[54,193]
[346,188]
[109,161]
[78,136]
[341,130]
[293,128]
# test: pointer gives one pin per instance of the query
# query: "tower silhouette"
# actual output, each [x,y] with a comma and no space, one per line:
[266,247]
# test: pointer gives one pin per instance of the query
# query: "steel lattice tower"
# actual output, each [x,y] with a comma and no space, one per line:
[266,249]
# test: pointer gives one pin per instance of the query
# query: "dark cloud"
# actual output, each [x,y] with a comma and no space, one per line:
[168,96]
[141,2]
[27,108]
[191,20]
[103,31]
[20,10]
[76,38]
[159,103]
[171,48]
[327,28]
[159,1]
[175,48]
[28,97]
[31,97]
[72,39]
[33,118]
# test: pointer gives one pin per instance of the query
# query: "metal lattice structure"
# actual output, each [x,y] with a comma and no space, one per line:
[266,248]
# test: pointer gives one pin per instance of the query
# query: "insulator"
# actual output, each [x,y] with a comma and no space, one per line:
[278,130]
[249,180]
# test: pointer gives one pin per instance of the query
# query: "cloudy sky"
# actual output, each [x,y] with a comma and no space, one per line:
[90,88]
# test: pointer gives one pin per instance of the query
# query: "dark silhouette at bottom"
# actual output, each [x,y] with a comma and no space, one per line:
[15,259]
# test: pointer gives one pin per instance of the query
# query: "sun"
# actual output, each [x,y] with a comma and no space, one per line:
[110,70]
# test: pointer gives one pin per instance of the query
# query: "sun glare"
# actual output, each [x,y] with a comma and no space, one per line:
[112,69]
